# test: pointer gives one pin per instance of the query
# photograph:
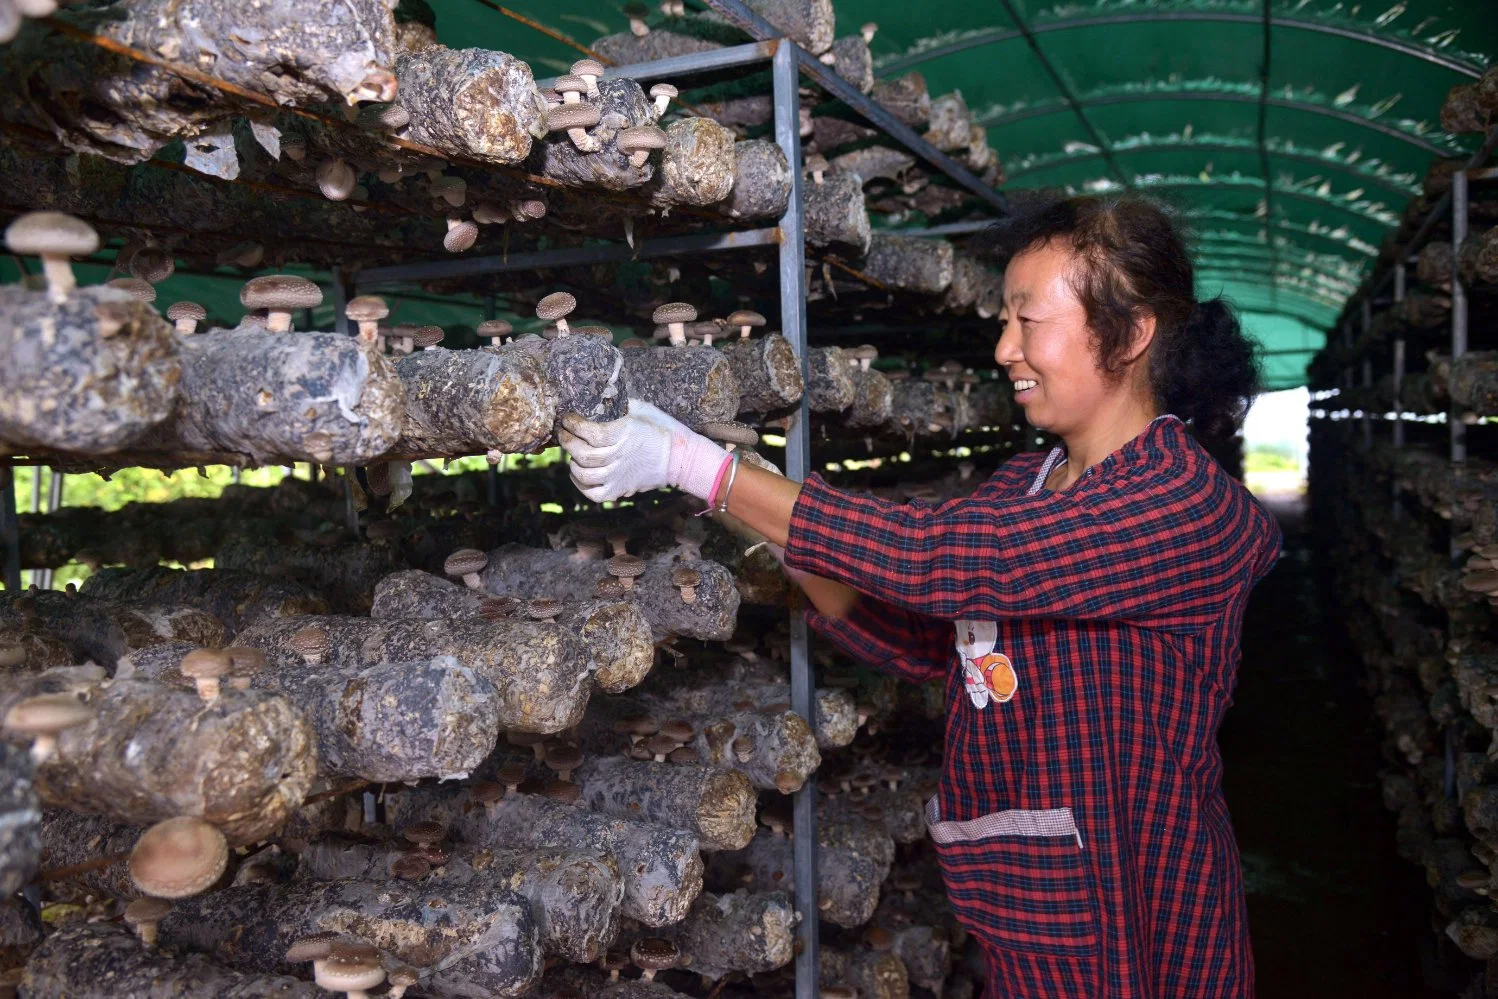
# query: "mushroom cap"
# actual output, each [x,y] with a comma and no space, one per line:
[637,725]
[571,84]
[862,351]
[495,608]
[678,729]
[428,336]
[614,960]
[515,738]
[152,264]
[488,791]
[654,954]
[640,137]
[52,233]
[660,744]
[460,236]
[730,432]
[205,664]
[563,791]
[404,976]
[684,575]
[592,331]
[952,367]
[465,560]
[532,208]
[511,773]
[579,115]
[561,756]
[555,306]
[147,910]
[878,938]
[310,641]
[280,291]
[899,375]
[343,972]
[47,714]
[311,947]
[664,90]
[543,608]
[626,566]
[424,832]
[674,312]
[186,310]
[745,317]
[816,161]
[141,291]
[410,866]
[684,754]
[366,308]
[178,857]
[636,10]
[587,67]
[492,328]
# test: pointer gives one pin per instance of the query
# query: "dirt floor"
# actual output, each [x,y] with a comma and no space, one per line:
[1333,910]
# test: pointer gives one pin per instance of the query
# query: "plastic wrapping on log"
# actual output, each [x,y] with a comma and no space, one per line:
[237,599]
[716,804]
[761,181]
[909,263]
[464,940]
[661,867]
[473,401]
[280,397]
[473,103]
[875,974]
[748,932]
[21,819]
[95,101]
[835,213]
[153,752]
[855,63]
[831,387]
[853,859]
[950,124]
[694,384]
[90,375]
[697,167]
[575,895]
[343,575]
[394,721]
[517,571]
[621,104]
[81,960]
[106,630]
[767,371]
[542,672]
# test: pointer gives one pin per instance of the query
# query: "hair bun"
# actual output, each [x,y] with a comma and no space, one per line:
[1211,375]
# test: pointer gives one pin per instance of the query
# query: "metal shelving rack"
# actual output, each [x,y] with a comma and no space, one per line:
[788,63]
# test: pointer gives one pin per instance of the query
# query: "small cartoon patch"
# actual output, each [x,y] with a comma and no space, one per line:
[987,675]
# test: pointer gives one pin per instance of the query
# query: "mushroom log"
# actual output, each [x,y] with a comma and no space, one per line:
[767,371]
[150,752]
[463,939]
[715,803]
[20,819]
[746,931]
[695,384]
[469,103]
[542,672]
[75,959]
[88,375]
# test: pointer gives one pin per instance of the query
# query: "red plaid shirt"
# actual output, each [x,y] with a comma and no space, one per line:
[1090,643]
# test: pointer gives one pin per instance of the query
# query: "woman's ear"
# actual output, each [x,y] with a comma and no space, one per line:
[1143,336]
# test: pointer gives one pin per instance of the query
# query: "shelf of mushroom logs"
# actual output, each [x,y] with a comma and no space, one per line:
[567,728]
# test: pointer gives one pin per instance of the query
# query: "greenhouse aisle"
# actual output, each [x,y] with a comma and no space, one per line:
[1333,909]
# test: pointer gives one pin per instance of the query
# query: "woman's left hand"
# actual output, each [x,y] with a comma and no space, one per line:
[646,449]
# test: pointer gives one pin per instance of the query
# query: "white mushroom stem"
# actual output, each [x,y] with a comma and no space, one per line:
[649,973]
[744,332]
[639,157]
[628,581]
[472,581]
[43,748]
[147,933]
[638,28]
[660,104]
[562,328]
[678,334]
[584,142]
[278,321]
[406,345]
[571,96]
[864,362]
[707,341]
[59,274]
[592,82]
[187,327]
[688,594]
[369,330]
[828,58]
[208,688]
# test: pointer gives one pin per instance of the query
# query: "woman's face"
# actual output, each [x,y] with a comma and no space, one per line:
[1045,345]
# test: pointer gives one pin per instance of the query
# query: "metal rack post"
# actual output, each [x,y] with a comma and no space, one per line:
[786,77]
[1366,319]
[1399,363]
[10,528]
[1458,319]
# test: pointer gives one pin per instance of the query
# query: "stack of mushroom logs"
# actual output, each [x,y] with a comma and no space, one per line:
[225,722]
[1394,518]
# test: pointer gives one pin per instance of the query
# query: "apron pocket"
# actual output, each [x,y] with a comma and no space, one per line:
[1017,881]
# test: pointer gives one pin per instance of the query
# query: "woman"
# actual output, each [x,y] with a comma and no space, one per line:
[1085,608]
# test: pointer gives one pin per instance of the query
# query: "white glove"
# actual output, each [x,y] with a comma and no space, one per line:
[647,449]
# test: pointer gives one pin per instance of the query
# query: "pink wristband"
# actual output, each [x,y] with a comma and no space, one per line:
[712,496]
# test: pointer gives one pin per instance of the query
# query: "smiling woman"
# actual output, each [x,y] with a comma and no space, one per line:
[1084,608]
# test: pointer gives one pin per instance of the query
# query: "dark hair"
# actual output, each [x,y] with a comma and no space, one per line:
[1133,263]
